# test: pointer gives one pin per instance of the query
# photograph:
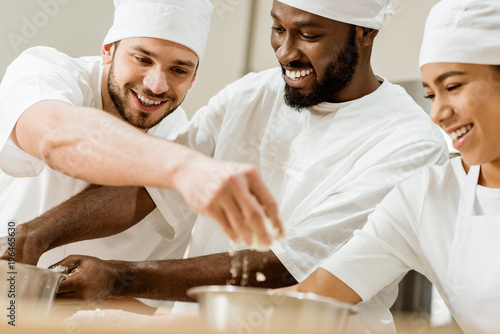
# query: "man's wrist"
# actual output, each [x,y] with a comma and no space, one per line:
[177,165]
[33,244]
[123,279]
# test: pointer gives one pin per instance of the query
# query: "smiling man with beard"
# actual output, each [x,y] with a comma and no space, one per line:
[330,139]
[337,75]
[61,127]
[169,96]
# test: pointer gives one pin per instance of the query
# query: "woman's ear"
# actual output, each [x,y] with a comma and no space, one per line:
[107,51]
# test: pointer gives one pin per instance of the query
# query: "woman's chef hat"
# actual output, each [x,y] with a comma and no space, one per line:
[185,22]
[364,13]
[462,31]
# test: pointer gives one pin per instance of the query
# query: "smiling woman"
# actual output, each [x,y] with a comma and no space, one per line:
[465,100]
[444,222]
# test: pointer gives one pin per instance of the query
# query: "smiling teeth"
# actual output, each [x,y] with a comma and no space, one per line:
[295,75]
[455,135]
[147,102]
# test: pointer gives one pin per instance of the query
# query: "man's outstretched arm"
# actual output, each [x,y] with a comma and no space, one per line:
[98,211]
[93,280]
[324,283]
[92,145]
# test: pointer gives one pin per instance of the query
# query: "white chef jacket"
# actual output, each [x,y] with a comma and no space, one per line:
[412,228]
[327,166]
[28,187]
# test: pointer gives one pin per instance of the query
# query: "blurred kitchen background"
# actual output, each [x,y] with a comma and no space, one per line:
[238,44]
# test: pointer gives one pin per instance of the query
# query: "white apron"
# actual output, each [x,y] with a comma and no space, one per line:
[473,289]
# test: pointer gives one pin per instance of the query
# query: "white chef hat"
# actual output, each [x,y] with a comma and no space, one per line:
[364,13]
[185,22]
[462,31]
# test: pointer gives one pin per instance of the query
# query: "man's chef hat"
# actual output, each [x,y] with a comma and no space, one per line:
[185,22]
[462,31]
[364,13]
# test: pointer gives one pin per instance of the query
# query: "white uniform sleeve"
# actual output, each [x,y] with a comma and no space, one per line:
[200,134]
[171,125]
[31,78]
[330,213]
[168,129]
[387,246]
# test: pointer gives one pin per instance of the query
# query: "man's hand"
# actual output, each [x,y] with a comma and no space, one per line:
[27,249]
[234,195]
[89,279]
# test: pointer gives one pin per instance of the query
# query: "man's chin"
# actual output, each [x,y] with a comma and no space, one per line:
[297,100]
[146,121]
[144,124]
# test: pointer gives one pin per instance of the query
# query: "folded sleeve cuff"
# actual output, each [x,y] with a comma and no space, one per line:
[174,216]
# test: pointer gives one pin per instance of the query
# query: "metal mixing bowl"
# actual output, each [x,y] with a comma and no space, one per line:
[231,309]
[26,291]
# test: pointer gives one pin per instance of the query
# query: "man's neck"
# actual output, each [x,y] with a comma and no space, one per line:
[364,82]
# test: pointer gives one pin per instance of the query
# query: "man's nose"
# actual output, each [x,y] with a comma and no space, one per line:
[156,81]
[287,52]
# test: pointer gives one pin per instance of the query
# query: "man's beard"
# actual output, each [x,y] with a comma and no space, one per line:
[142,121]
[338,74]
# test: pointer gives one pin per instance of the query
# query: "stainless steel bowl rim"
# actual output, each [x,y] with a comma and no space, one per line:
[231,289]
[35,288]
[36,269]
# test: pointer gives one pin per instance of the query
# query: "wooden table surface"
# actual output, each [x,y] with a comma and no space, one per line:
[147,324]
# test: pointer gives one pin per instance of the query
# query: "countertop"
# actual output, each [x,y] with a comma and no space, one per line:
[137,319]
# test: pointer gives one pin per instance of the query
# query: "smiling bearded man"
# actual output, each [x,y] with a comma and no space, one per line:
[338,74]
[143,120]
[147,61]
[328,166]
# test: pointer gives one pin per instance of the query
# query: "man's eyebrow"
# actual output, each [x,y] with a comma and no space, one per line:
[151,54]
[143,50]
[301,24]
[187,63]
[305,24]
